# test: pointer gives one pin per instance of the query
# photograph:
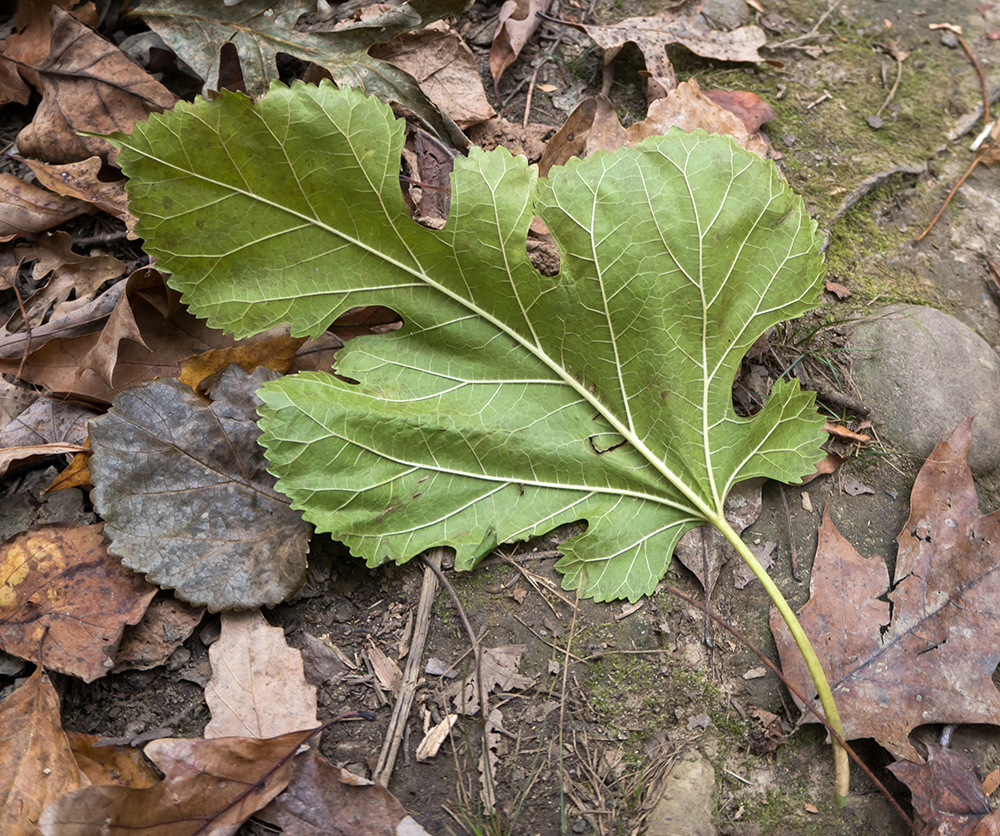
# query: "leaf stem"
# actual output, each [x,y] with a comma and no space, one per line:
[840,760]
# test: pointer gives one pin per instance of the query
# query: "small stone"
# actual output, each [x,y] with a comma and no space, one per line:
[949,39]
[178,659]
[789,140]
[686,806]
[922,372]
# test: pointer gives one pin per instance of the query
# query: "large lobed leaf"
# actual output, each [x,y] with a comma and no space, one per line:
[509,402]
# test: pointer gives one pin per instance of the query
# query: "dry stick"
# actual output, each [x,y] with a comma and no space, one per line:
[709,641]
[408,690]
[483,694]
[542,61]
[982,79]
[895,87]
[979,154]
[811,34]
[791,536]
[27,332]
[562,696]
[802,697]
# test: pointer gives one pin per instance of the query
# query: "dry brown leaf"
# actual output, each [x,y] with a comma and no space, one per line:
[675,26]
[991,782]
[59,582]
[87,84]
[165,626]
[36,762]
[12,88]
[48,421]
[13,457]
[948,797]
[838,290]
[325,799]
[116,765]
[210,788]
[594,126]
[499,666]
[102,358]
[516,23]
[830,464]
[80,180]
[751,109]
[444,67]
[27,209]
[276,354]
[386,671]
[932,661]
[258,688]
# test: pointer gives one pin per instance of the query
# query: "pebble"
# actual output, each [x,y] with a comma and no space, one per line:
[922,372]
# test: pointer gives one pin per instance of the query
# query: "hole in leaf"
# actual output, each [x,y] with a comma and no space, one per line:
[542,249]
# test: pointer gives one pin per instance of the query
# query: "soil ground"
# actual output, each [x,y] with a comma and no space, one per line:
[587,746]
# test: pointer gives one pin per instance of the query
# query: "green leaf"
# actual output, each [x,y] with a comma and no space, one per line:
[497,412]
[196,31]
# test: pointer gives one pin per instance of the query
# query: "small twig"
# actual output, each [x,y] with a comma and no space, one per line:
[814,32]
[408,690]
[899,75]
[802,697]
[951,194]
[982,78]
[545,641]
[27,329]
[542,61]
[562,696]
[791,535]
[823,98]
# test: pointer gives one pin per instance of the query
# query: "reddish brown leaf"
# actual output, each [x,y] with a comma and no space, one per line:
[117,765]
[210,788]
[948,797]
[935,659]
[830,464]
[36,762]
[26,209]
[258,688]
[164,627]
[60,578]
[838,290]
[325,799]
[87,84]
[12,88]
[751,109]
[516,23]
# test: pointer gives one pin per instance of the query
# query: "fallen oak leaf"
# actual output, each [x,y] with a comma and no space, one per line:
[37,765]
[210,788]
[948,796]
[58,582]
[13,457]
[116,765]
[516,23]
[932,661]
[186,498]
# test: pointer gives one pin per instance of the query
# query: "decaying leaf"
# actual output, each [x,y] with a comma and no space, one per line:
[62,593]
[81,180]
[210,788]
[516,23]
[675,26]
[28,209]
[933,660]
[499,668]
[516,401]
[165,626]
[444,67]
[948,797]
[325,799]
[186,498]
[594,126]
[260,29]
[258,688]
[87,84]
[36,762]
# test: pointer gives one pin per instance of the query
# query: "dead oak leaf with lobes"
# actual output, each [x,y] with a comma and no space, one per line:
[935,661]
[184,491]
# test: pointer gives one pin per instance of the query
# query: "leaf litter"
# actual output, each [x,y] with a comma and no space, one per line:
[118,335]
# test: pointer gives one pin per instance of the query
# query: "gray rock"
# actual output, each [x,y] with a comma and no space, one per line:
[686,806]
[724,15]
[922,371]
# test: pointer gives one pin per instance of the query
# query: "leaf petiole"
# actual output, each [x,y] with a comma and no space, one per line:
[840,760]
